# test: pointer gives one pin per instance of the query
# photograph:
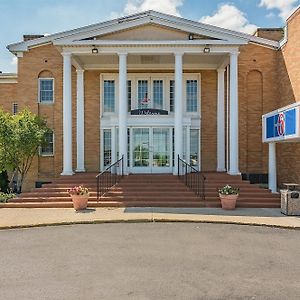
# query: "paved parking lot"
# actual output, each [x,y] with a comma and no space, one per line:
[150,261]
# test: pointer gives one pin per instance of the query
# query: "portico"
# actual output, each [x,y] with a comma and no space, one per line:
[172,53]
[174,119]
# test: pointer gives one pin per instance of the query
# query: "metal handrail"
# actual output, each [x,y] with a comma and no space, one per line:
[109,177]
[192,178]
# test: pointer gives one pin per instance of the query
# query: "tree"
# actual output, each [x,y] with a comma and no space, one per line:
[21,135]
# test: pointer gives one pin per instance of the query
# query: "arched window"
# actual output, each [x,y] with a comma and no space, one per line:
[46,87]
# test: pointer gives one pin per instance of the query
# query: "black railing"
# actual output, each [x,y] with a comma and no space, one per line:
[109,177]
[192,178]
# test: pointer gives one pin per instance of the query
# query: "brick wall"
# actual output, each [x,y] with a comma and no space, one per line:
[258,94]
[288,154]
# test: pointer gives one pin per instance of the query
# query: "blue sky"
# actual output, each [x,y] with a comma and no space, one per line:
[20,17]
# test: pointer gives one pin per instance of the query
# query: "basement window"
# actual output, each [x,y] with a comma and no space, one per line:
[14,108]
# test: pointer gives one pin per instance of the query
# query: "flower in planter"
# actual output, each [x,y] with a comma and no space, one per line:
[228,190]
[78,190]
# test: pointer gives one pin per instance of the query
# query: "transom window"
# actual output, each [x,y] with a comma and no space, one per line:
[109,95]
[191,95]
[46,88]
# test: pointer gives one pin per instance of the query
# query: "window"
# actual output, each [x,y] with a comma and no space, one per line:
[109,96]
[172,94]
[191,95]
[194,147]
[129,94]
[158,94]
[143,98]
[46,87]
[48,147]
[106,147]
[14,108]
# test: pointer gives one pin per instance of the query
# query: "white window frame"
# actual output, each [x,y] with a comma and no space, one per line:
[39,90]
[109,77]
[192,77]
[48,154]
[134,77]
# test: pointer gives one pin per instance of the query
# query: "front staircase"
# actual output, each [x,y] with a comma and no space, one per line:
[144,190]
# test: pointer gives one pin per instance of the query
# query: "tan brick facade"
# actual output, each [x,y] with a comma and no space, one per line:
[267,78]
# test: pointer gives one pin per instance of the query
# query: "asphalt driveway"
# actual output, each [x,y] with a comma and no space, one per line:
[150,261]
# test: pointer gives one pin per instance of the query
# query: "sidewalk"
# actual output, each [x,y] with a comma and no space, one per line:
[31,217]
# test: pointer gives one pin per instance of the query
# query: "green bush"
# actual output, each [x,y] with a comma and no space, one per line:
[4,197]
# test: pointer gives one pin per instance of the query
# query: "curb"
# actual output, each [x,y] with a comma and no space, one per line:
[159,220]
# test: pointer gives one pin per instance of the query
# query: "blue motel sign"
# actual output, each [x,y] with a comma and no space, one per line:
[282,124]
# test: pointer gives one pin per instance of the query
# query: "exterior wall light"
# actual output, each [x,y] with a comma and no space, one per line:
[191,36]
[206,49]
[95,50]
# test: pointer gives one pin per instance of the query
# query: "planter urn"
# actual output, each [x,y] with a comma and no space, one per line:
[228,202]
[80,201]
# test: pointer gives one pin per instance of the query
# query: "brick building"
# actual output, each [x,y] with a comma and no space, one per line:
[152,86]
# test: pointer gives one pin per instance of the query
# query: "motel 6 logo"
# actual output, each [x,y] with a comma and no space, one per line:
[281,124]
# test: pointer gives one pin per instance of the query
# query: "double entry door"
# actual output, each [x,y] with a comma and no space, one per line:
[151,150]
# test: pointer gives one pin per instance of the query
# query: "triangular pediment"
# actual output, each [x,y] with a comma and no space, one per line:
[149,25]
[151,32]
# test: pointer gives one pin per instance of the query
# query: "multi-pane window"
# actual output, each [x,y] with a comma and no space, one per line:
[14,108]
[48,147]
[106,147]
[109,95]
[191,95]
[172,94]
[194,147]
[143,97]
[46,88]
[129,95]
[158,94]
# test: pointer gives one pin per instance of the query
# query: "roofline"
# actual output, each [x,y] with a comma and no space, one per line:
[293,13]
[23,45]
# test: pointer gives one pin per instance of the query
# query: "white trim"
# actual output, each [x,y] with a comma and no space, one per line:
[39,90]
[8,78]
[148,17]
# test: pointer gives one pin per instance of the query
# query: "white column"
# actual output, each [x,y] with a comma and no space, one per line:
[234,117]
[272,168]
[178,108]
[67,115]
[221,122]
[123,108]
[80,121]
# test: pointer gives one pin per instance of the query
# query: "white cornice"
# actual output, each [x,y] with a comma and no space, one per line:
[150,49]
[148,43]
[8,78]
[149,17]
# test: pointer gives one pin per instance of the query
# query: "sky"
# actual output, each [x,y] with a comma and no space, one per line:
[20,17]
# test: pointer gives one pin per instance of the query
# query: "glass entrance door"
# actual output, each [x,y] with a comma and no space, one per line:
[151,150]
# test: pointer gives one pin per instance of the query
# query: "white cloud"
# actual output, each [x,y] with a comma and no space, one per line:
[285,7]
[14,60]
[230,17]
[164,6]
